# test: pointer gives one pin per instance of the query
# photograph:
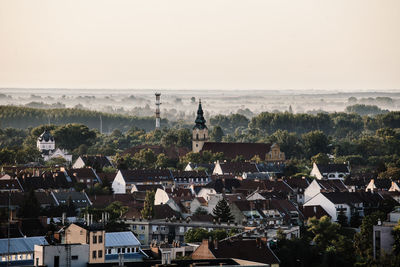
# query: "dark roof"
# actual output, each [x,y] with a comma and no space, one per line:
[332,185]
[7,184]
[164,211]
[313,211]
[82,173]
[232,150]
[46,136]
[245,250]
[47,180]
[79,199]
[330,168]
[224,185]
[102,201]
[148,187]
[146,175]
[107,176]
[238,167]
[383,184]
[96,161]
[202,218]
[200,121]
[189,174]
[298,182]
[343,197]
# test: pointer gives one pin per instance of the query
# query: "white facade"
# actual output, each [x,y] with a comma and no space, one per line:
[119,184]
[218,169]
[48,255]
[206,193]
[79,163]
[161,197]
[312,190]
[325,203]
[58,153]
[331,175]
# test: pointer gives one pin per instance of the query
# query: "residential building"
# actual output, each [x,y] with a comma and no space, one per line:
[61,255]
[97,162]
[382,240]
[21,250]
[330,171]
[91,234]
[123,245]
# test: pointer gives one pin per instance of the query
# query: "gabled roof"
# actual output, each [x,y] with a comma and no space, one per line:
[82,173]
[189,174]
[80,199]
[21,244]
[383,184]
[313,211]
[164,211]
[245,250]
[332,185]
[342,197]
[102,201]
[298,182]
[333,168]
[224,185]
[232,150]
[238,167]
[96,161]
[121,239]
[135,176]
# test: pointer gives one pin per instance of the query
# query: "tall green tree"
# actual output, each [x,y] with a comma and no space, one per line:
[222,211]
[148,208]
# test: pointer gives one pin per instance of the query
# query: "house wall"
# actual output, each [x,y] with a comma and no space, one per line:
[218,169]
[161,197]
[206,193]
[315,172]
[382,240]
[275,154]
[45,255]
[79,163]
[97,246]
[75,234]
[119,184]
[325,203]
[312,190]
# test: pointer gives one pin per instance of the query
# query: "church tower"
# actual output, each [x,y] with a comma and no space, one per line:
[200,131]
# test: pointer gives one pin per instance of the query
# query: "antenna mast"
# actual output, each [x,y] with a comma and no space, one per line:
[158,119]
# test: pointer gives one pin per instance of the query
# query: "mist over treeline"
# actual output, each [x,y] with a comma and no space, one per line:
[181,105]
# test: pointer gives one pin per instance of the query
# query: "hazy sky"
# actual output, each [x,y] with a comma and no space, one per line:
[226,44]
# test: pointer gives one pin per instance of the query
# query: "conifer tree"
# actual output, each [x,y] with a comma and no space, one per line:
[222,211]
[148,208]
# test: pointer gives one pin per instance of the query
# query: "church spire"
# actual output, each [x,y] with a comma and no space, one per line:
[200,121]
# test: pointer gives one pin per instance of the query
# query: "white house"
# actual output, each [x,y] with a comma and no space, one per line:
[316,186]
[206,193]
[382,185]
[59,255]
[330,171]
[335,202]
[47,145]
[125,179]
[161,197]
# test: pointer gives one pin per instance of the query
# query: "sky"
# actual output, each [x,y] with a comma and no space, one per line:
[207,44]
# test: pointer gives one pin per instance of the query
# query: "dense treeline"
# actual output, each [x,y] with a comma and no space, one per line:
[24,117]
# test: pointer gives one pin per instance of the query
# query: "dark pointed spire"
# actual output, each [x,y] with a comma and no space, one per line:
[200,121]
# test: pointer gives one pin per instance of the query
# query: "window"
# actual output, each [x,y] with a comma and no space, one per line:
[119,250]
[142,227]
[94,254]
[133,227]
[100,239]
[74,257]
[100,253]
[94,239]
[123,250]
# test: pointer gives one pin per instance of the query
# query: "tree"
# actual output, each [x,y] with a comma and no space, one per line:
[30,206]
[216,134]
[315,142]
[222,211]
[116,210]
[363,239]
[148,208]
[342,219]
[200,211]
[355,220]
[73,135]
[162,161]
[320,158]
[324,231]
